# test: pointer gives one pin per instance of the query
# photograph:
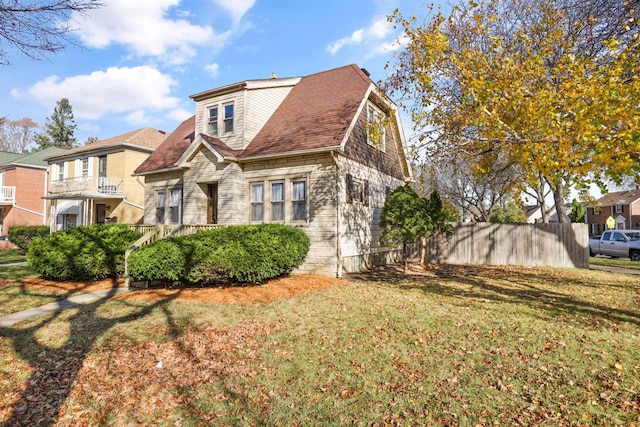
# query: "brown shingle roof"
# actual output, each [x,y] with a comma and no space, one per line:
[171,148]
[316,113]
[625,197]
[146,137]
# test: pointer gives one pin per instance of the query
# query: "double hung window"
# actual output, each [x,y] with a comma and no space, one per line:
[277,201]
[213,121]
[299,200]
[161,198]
[175,205]
[257,201]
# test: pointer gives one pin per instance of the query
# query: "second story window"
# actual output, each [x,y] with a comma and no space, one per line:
[619,208]
[85,167]
[213,121]
[597,210]
[228,117]
[102,166]
[60,167]
[375,128]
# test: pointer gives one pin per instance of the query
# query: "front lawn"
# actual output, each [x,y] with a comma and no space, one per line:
[448,346]
[614,262]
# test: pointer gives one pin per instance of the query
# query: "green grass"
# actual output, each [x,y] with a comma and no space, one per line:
[12,255]
[459,346]
[615,262]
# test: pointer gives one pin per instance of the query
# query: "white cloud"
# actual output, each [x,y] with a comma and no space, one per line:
[138,118]
[212,69]
[378,30]
[236,8]
[179,114]
[116,90]
[144,28]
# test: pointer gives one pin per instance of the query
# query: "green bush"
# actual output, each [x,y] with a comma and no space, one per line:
[22,235]
[162,261]
[82,253]
[243,254]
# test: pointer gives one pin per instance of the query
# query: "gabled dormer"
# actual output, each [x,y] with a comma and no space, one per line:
[235,113]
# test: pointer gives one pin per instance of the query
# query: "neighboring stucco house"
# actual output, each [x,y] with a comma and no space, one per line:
[93,184]
[23,182]
[320,152]
[622,206]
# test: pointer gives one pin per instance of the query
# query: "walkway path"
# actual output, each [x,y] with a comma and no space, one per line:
[14,318]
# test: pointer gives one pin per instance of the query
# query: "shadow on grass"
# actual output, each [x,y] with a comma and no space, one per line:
[56,369]
[532,288]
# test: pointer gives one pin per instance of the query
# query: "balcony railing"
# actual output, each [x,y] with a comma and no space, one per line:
[7,194]
[87,186]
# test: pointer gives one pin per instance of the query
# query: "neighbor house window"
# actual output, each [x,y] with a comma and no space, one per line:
[85,167]
[102,166]
[161,198]
[619,208]
[597,210]
[257,201]
[228,117]
[60,171]
[595,229]
[213,121]
[299,200]
[175,205]
[375,128]
[277,201]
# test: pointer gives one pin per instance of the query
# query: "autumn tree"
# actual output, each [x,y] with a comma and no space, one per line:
[510,212]
[59,128]
[17,135]
[549,86]
[37,27]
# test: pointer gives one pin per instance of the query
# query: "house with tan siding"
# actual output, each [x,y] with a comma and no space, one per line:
[23,183]
[319,152]
[93,184]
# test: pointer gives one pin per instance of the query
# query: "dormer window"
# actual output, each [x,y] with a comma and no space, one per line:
[213,121]
[228,117]
[375,127]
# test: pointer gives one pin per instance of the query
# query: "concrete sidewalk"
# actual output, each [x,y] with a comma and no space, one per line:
[14,318]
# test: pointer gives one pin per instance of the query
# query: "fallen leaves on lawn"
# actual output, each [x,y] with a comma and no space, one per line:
[152,379]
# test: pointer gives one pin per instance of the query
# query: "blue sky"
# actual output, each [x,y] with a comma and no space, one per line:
[137,62]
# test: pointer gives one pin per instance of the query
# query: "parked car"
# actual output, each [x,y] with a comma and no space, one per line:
[617,244]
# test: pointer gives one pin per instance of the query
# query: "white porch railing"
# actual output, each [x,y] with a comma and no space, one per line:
[7,194]
[87,185]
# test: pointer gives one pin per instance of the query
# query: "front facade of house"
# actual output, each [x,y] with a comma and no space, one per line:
[23,183]
[297,151]
[622,206]
[93,184]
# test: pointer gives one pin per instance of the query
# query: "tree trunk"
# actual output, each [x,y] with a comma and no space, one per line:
[558,197]
[406,260]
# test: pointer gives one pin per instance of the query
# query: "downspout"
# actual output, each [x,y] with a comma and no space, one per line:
[338,246]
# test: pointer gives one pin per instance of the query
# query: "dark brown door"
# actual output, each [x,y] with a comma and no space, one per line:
[101,213]
[212,203]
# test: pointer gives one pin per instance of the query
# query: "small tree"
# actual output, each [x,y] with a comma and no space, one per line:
[577,212]
[404,219]
[510,213]
[59,128]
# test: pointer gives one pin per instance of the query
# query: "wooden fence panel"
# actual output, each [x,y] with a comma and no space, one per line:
[553,245]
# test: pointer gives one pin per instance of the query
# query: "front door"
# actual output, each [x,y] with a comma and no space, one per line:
[101,213]
[212,203]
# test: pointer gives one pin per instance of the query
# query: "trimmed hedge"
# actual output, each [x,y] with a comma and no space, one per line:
[22,235]
[242,254]
[82,253]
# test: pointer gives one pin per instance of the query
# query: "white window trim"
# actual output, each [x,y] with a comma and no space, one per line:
[288,199]
[379,117]
[225,118]
[217,120]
